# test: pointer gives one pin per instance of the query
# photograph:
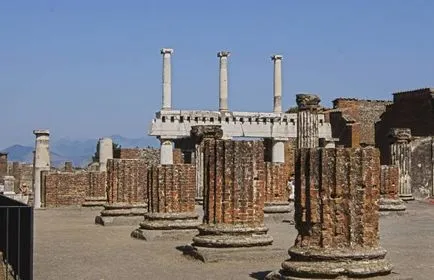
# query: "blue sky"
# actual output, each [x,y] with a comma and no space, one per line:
[86,69]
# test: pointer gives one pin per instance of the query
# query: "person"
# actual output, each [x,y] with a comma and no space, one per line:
[24,189]
[291,186]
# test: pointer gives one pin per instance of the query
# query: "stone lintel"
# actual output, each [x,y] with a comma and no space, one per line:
[307,101]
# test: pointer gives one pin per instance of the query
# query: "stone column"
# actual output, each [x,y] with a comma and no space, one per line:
[389,198]
[105,152]
[171,203]
[278,150]
[166,151]
[233,202]
[3,164]
[277,85]
[167,79]
[9,184]
[400,151]
[223,85]
[41,163]
[126,192]
[307,120]
[336,216]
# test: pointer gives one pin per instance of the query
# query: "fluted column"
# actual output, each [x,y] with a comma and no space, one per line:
[167,79]
[336,216]
[400,151]
[307,120]
[223,84]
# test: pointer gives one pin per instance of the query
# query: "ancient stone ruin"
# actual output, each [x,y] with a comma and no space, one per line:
[389,197]
[336,216]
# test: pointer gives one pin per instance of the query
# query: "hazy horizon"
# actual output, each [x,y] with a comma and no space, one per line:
[86,69]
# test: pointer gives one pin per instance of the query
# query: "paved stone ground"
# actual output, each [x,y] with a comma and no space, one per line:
[68,245]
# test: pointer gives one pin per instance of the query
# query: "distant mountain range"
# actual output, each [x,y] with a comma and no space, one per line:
[80,152]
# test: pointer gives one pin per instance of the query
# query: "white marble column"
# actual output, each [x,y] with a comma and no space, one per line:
[41,162]
[167,79]
[277,85]
[400,151]
[223,85]
[105,152]
[278,150]
[307,121]
[166,151]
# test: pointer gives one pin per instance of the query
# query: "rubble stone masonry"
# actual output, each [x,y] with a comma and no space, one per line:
[336,215]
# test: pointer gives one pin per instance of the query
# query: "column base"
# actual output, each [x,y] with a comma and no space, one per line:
[121,214]
[406,197]
[332,264]
[278,212]
[390,204]
[230,236]
[94,201]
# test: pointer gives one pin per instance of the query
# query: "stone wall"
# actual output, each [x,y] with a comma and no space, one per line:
[97,184]
[364,112]
[64,188]
[126,181]
[150,155]
[171,188]
[422,167]
[410,109]
[235,173]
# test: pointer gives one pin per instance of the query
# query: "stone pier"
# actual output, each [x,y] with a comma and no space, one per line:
[389,199]
[96,195]
[307,120]
[3,164]
[171,203]
[41,162]
[9,185]
[126,192]
[336,216]
[400,151]
[166,151]
[233,223]
[105,152]
[277,205]
[223,78]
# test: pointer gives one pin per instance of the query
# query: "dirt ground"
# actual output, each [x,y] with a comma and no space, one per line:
[68,245]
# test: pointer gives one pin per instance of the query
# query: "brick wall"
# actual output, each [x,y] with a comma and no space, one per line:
[97,184]
[411,109]
[233,181]
[171,188]
[331,210]
[345,128]
[364,112]
[276,180]
[64,188]
[389,177]
[23,174]
[150,155]
[178,156]
[126,180]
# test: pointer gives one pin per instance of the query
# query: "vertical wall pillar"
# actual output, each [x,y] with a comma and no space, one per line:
[167,79]
[337,220]
[166,151]
[105,152]
[307,120]
[400,151]
[223,85]
[277,85]
[278,150]
[41,162]
[3,164]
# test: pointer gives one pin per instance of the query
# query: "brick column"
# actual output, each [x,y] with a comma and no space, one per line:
[276,192]
[126,192]
[96,193]
[307,120]
[234,198]
[389,198]
[171,208]
[336,216]
[400,151]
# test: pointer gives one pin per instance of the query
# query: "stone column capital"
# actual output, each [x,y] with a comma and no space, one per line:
[306,101]
[199,132]
[40,132]
[276,57]
[400,135]
[223,54]
[166,51]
